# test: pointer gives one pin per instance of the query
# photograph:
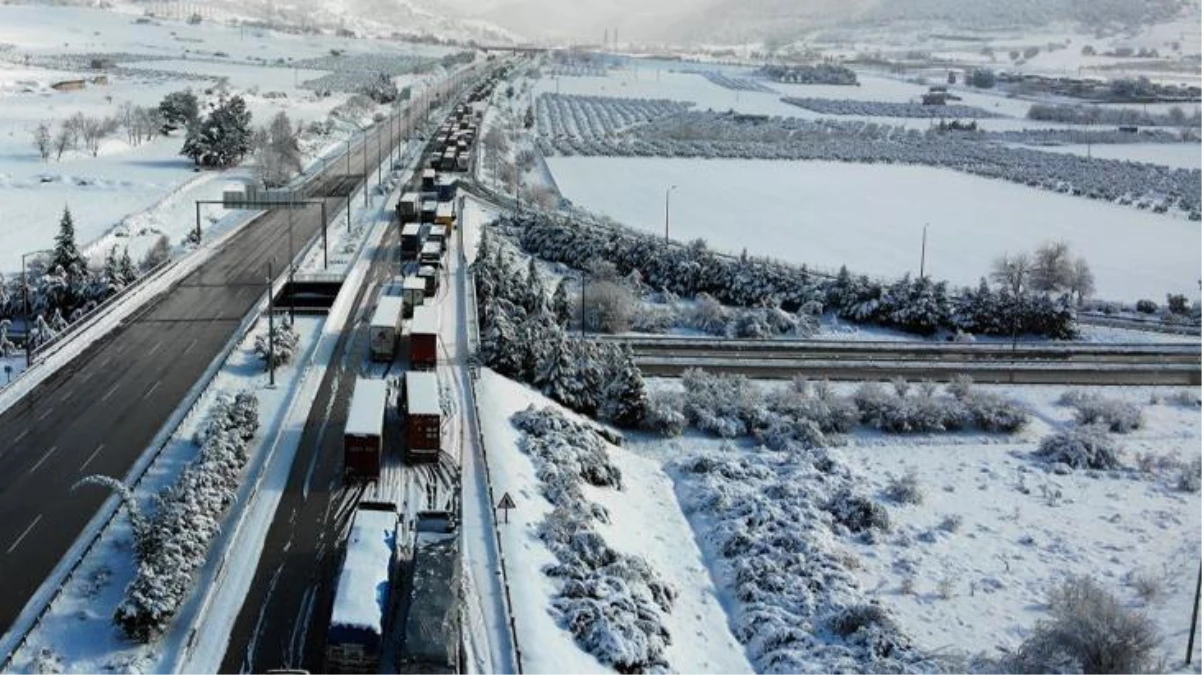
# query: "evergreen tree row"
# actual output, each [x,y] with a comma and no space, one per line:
[63,287]
[919,306]
[523,337]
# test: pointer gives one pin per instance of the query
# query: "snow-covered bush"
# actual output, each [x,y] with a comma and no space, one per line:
[1089,631]
[610,601]
[905,490]
[665,414]
[1088,447]
[925,411]
[286,341]
[1115,414]
[796,605]
[186,517]
[856,512]
[1190,478]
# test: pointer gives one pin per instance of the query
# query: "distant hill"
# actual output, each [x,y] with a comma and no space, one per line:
[364,17]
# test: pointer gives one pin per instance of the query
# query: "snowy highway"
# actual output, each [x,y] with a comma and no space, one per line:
[100,413]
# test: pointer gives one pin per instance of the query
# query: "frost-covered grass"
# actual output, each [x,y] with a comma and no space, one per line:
[817,213]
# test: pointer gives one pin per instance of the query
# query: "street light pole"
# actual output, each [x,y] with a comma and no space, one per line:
[922,263]
[270,329]
[667,211]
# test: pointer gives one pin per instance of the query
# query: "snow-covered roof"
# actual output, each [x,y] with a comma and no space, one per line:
[388,312]
[446,209]
[425,321]
[429,173]
[410,197]
[413,284]
[362,595]
[411,230]
[438,231]
[429,636]
[431,247]
[366,416]
[429,205]
[421,393]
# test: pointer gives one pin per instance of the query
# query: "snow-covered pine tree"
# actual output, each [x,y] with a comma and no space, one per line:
[625,401]
[125,268]
[535,293]
[7,348]
[66,253]
[498,340]
[40,333]
[561,308]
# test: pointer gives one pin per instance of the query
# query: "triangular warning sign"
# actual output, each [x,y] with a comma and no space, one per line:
[506,502]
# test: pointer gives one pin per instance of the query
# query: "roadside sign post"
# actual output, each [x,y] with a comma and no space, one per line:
[505,504]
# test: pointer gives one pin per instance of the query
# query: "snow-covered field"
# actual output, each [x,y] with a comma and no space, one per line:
[967,570]
[1024,528]
[645,521]
[871,218]
[151,183]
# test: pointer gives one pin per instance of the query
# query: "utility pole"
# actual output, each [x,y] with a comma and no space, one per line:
[1193,622]
[667,211]
[270,329]
[291,270]
[922,264]
[366,175]
[582,283]
[347,183]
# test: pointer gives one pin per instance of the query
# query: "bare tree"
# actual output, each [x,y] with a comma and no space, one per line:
[42,141]
[127,113]
[278,155]
[1051,267]
[1012,271]
[76,124]
[1081,281]
[63,140]
[93,132]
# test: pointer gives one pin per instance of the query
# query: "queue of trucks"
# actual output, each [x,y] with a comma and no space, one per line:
[364,614]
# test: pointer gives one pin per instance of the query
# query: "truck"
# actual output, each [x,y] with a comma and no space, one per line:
[363,437]
[444,214]
[422,414]
[429,210]
[407,207]
[431,254]
[428,177]
[411,241]
[433,626]
[363,598]
[423,338]
[385,329]
[429,276]
[413,290]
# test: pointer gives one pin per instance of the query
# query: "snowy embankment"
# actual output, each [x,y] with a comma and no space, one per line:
[697,625]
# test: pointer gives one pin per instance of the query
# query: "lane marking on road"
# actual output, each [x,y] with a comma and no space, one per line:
[23,434]
[86,376]
[190,346]
[151,390]
[155,348]
[106,362]
[43,459]
[109,393]
[17,543]
[46,414]
[91,456]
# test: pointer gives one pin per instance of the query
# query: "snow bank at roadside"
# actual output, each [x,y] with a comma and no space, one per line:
[644,521]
